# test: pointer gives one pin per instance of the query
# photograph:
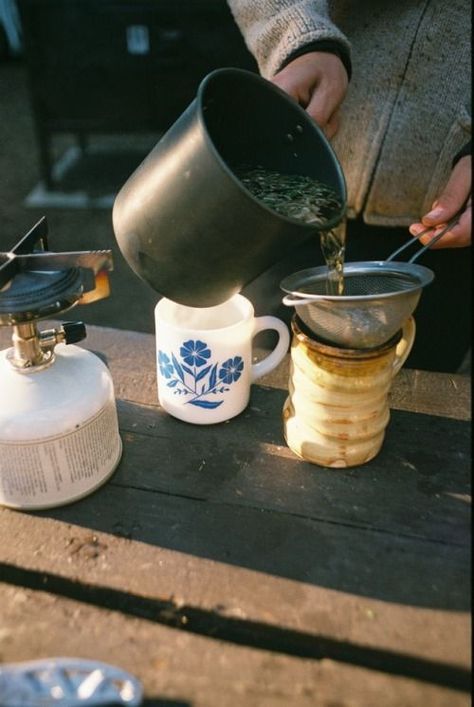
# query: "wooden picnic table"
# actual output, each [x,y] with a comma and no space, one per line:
[221,570]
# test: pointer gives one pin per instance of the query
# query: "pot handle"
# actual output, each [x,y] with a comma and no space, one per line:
[404,346]
[294,300]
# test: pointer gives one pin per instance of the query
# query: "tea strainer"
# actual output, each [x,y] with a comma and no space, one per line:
[379,296]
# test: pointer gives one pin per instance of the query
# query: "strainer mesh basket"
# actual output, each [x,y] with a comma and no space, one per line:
[378,299]
[368,283]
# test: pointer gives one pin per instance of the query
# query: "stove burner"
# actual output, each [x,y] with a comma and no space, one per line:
[36,283]
[40,294]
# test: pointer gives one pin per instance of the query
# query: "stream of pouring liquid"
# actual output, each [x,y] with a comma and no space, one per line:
[307,200]
[333,244]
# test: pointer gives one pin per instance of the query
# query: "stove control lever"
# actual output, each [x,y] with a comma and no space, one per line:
[66,333]
[73,332]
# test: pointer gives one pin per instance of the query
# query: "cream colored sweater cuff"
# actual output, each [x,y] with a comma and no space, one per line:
[274,29]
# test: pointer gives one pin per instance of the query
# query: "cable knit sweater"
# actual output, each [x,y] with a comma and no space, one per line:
[407,110]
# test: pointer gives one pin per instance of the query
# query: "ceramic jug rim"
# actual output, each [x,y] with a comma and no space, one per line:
[335,351]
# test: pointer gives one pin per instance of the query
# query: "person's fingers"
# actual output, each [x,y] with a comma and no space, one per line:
[316,103]
[323,106]
[309,94]
[453,196]
[459,236]
[290,82]
[332,125]
[319,110]
[318,82]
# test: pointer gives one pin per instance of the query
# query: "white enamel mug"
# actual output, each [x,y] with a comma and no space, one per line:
[204,358]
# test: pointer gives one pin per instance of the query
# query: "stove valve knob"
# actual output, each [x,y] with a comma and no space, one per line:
[73,332]
[67,333]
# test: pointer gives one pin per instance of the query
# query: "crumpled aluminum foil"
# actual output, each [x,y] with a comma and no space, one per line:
[67,682]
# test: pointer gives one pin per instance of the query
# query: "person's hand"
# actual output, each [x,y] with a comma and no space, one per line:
[456,193]
[318,81]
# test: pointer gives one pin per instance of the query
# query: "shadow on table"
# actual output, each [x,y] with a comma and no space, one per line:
[396,529]
[245,632]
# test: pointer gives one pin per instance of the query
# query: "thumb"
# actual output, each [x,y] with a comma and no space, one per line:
[453,196]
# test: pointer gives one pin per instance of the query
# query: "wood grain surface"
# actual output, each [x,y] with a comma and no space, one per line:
[222,570]
[131,358]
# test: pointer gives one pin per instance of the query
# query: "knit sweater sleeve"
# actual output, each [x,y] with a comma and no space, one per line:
[274,30]
[466,150]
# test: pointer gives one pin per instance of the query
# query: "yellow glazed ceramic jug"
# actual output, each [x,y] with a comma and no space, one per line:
[337,409]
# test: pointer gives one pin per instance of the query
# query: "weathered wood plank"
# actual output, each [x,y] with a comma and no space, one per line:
[179,669]
[413,488]
[270,514]
[131,357]
[226,521]
[365,587]
[339,557]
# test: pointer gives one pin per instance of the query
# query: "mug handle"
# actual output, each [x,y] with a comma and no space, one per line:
[404,346]
[275,357]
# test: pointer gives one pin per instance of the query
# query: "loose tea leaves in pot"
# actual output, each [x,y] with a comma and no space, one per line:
[307,200]
[296,196]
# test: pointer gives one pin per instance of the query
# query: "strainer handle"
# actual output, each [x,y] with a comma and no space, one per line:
[415,240]
[294,300]
[447,228]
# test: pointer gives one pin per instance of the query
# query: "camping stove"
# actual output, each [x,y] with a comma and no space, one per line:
[59,437]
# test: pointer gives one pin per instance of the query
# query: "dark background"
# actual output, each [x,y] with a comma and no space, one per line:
[78,82]
[106,78]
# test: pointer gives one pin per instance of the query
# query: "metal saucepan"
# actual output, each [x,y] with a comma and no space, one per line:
[184,221]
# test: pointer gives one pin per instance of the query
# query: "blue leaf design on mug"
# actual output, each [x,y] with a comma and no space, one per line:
[213,377]
[203,373]
[177,367]
[205,403]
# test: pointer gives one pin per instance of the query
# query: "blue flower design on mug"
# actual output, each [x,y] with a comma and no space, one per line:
[194,353]
[166,367]
[196,375]
[231,370]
